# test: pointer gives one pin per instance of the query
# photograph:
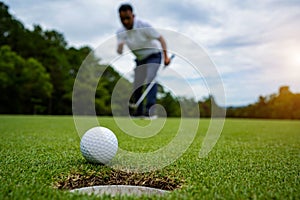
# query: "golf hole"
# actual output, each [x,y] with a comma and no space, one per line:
[114,183]
[120,190]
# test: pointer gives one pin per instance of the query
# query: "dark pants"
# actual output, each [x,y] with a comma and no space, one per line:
[145,72]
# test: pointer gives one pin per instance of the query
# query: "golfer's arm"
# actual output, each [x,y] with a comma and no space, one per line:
[163,45]
[120,48]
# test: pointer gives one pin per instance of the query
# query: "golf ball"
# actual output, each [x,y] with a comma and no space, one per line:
[99,145]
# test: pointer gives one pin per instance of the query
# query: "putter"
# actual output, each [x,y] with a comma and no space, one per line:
[135,105]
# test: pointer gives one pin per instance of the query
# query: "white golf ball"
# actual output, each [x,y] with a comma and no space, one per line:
[99,145]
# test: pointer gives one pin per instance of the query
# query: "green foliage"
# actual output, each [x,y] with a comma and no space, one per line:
[36,87]
[253,159]
[171,105]
[22,82]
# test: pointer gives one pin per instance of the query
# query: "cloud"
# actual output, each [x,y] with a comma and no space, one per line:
[82,22]
[188,12]
[235,42]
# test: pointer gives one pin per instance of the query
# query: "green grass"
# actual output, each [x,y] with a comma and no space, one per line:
[253,159]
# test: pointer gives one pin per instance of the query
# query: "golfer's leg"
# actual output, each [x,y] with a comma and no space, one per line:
[152,69]
[139,78]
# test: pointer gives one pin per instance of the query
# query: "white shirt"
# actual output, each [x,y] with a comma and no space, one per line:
[142,39]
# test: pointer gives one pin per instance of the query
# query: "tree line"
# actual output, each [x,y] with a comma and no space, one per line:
[38,71]
[284,105]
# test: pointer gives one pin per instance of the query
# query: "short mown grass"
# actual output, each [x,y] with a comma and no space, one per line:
[253,159]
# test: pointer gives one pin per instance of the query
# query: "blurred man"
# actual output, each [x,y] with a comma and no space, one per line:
[148,46]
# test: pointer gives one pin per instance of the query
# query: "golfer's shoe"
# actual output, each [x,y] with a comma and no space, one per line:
[152,117]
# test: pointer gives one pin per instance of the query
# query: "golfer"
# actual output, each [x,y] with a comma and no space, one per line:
[148,46]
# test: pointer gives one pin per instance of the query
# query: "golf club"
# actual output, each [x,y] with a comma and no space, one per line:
[135,105]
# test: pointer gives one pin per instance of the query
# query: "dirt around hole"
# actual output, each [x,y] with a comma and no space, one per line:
[92,178]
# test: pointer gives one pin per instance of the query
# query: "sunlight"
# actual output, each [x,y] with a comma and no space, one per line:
[293,59]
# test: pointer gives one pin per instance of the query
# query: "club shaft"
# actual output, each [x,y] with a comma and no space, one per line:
[145,93]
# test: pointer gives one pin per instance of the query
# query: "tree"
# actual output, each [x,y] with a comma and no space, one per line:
[170,104]
[205,107]
[25,85]
[189,107]
[36,88]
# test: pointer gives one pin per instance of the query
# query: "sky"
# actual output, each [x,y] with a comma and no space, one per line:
[253,45]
